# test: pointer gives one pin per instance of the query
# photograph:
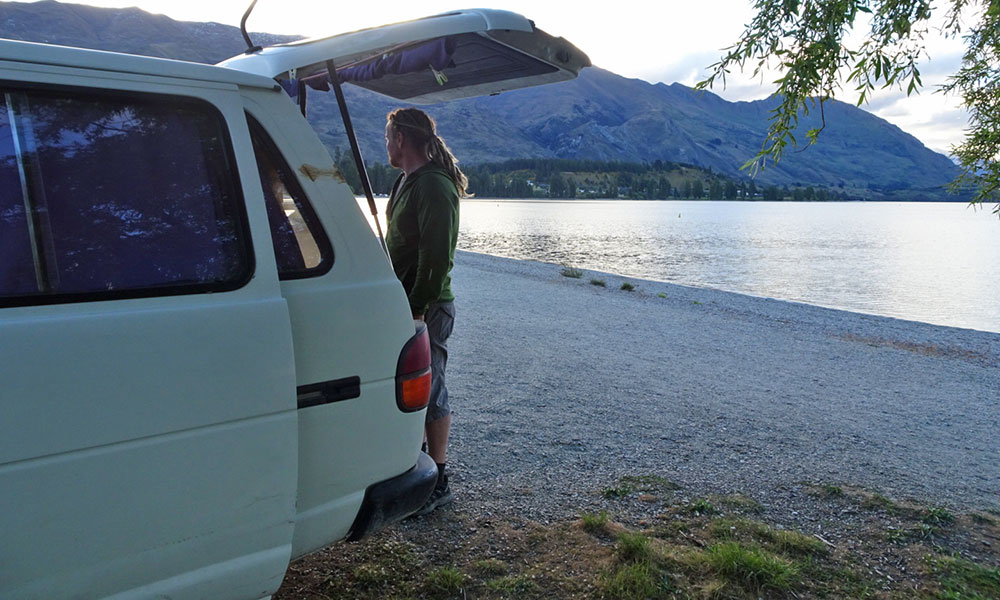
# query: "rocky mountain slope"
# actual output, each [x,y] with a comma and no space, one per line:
[600,115]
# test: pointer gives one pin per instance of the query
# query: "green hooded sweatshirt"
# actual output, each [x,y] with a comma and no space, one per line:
[422,233]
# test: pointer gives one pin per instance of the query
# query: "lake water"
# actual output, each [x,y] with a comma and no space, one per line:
[932,262]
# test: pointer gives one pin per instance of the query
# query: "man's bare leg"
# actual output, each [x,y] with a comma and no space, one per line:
[437,439]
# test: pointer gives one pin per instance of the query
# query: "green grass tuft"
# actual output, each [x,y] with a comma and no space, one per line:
[789,543]
[490,566]
[599,282]
[628,287]
[513,584]
[594,523]
[702,507]
[937,515]
[571,272]
[636,581]
[752,568]
[617,492]
[961,579]
[648,483]
[879,502]
[445,581]
[634,547]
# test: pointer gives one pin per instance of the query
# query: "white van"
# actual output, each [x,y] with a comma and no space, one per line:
[207,366]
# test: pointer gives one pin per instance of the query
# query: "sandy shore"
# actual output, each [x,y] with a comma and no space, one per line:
[561,387]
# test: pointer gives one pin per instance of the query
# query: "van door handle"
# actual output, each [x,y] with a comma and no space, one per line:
[327,392]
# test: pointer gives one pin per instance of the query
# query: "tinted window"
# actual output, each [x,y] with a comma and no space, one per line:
[301,247]
[116,196]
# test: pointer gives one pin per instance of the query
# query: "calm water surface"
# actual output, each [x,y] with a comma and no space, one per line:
[932,262]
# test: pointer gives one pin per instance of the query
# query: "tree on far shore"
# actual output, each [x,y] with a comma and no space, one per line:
[806,40]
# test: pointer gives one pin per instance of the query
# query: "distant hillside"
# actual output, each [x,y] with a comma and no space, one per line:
[600,115]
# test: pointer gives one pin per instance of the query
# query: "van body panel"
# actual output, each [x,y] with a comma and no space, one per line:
[150,440]
[351,321]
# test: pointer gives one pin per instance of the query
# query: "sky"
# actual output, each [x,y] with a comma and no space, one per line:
[657,41]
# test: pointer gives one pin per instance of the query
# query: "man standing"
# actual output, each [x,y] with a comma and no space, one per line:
[421,236]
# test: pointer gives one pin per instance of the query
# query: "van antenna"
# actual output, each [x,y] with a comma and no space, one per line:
[251,48]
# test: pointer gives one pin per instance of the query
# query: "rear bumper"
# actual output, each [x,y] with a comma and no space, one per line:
[394,499]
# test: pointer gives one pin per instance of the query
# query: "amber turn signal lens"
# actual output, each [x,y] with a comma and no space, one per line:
[416,392]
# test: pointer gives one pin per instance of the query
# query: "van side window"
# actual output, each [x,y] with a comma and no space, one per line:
[301,247]
[116,195]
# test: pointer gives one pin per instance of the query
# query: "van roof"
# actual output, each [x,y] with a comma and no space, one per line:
[99,60]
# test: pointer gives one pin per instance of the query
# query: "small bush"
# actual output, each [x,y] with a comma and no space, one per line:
[445,581]
[832,490]
[662,295]
[599,282]
[594,523]
[628,287]
[571,272]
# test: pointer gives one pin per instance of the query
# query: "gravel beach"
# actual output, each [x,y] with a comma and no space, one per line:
[561,387]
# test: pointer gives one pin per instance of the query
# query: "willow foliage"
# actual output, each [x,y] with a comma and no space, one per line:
[806,41]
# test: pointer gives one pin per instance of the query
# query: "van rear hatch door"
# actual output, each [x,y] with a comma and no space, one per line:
[445,57]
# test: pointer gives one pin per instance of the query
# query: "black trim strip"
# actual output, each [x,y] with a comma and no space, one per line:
[328,392]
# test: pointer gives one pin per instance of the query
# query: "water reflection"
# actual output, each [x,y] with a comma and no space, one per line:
[932,262]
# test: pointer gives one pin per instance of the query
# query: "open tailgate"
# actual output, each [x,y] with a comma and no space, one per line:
[453,55]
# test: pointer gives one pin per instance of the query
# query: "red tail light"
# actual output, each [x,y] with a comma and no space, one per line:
[413,372]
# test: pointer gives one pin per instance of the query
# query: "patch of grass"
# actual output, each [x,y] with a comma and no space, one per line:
[599,282]
[662,295]
[635,581]
[628,287]
[445,581]
[738,502]
[702,506]
[369,575]
[983,518]
[879,502]
[649,483]
[513,584]
[571,272]
[962,579]
[633,547]
[490,566]
[832,491]
[937,515]
[920,531]
[617,492]
[695,302]
[751,568]
[789,543]
[594,523]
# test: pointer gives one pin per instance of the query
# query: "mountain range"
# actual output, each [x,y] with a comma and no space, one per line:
[599,115]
